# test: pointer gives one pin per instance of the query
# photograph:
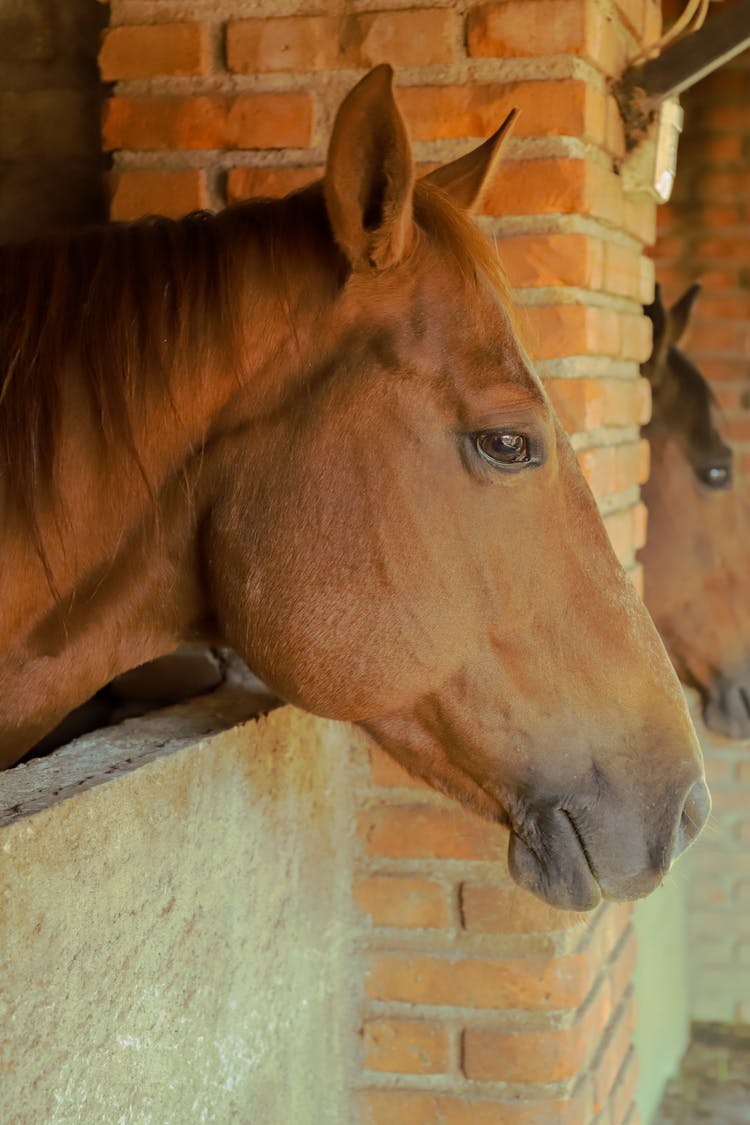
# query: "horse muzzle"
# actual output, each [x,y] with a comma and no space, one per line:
[726,704]
[573,863]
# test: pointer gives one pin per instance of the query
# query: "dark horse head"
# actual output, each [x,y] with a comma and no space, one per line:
[361,487]
[696,556]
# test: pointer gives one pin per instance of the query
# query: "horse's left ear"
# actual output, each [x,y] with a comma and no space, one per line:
[369,179]
[679,314]
[467,178]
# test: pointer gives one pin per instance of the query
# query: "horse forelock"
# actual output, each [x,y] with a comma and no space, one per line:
[457,234]
[692,407]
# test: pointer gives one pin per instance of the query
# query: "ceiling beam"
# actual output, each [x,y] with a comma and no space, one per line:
[685,62]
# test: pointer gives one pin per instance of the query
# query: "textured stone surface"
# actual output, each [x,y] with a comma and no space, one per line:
[175,943]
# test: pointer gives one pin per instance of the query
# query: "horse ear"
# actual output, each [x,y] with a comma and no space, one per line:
[657,314]
[467,178]
[679,314]
[369,179]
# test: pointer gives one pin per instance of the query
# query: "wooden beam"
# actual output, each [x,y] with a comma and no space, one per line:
[685,62]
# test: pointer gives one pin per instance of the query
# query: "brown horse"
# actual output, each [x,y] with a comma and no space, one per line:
[695,558]
[305,427]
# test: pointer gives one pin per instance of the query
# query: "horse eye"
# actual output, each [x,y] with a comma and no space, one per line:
[501,448]
[715,476]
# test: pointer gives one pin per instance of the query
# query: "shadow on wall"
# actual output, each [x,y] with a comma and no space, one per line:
[50,95]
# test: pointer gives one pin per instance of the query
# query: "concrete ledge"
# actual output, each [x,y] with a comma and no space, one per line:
[113,751]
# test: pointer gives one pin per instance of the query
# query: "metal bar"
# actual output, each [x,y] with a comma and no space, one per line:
[684,63]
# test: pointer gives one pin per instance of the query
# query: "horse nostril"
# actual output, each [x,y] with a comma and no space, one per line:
[694,815]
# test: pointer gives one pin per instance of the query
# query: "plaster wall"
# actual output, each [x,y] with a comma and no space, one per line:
[176,943]
[660,978]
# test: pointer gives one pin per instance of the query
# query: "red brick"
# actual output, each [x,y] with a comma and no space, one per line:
[620,530]
[631,464]
[724,186]
[614,1052]
[399,1107]
[578,402]
[716,337]
[640,525]
[154,50]
[635,337]
[622,966]
[736,430]
[587,403]
[534,28]
[535,1055]
[598,466]
[627,273]
[387,772]
[634,15]
[724,306]
[400,900]
[567,107]
[710,149]
[538,187]
[723,248]
[626,401]
[426,832]
[568,330]
[639,217]
[152,191]
[420,37]
[248,121]
[532,260]
[247,183]
[623,1094]
[506,909]
[406,1047]
[635,574]
[530,983]
[524,29]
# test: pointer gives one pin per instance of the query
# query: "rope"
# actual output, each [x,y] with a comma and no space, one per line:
[690,20]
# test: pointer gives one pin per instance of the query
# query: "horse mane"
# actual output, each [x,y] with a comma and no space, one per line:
[473,252]
[122,307]
[696,405]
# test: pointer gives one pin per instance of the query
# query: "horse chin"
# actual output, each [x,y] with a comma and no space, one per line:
[556,868]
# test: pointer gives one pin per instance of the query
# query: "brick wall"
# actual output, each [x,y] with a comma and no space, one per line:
[50,156]
[704,234]
[478,1004]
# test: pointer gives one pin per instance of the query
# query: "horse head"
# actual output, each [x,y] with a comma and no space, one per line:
[695,558]
[356,480]
[412,546]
